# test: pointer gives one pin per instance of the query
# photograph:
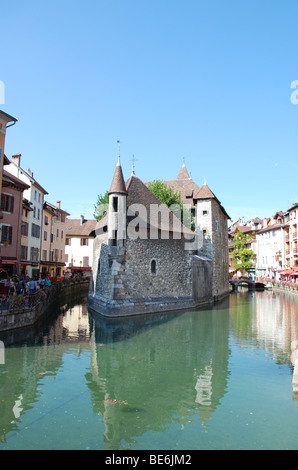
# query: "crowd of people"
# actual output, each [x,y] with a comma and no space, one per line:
[26,285]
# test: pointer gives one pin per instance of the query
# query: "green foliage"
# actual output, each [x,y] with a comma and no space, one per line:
[241,255]
[101,206]
[173,200]
[165,193]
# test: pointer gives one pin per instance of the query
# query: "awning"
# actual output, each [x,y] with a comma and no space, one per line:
[287,272]
[74,268]
[8,261]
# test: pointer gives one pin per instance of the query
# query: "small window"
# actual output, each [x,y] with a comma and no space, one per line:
[205,212]
[115,204]
[153,266]
[115,238]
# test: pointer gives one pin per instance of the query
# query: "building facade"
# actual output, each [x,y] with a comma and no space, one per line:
[291,239]
[53,237]
[34,194]
[80,234]
[24,236]
[10,224]
[274,242]
[5,121]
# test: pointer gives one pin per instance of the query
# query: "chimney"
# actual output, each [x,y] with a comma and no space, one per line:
[16,159]
[82,219]
[58,203]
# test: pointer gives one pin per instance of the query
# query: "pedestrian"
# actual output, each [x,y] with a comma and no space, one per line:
[32,286]
[41,282]
[12,287]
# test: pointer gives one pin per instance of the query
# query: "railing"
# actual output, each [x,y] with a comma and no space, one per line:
[27,301]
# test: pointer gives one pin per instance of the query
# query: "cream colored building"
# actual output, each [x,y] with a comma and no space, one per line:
[80,234]
[53,240]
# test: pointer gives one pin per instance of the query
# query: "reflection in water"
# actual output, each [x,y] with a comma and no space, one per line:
[171,371]
[266,319]
[134,377]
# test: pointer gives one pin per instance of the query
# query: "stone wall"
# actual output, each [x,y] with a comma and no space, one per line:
[202,280]
[10,320]
[171,263]
[143,275]
[220,252]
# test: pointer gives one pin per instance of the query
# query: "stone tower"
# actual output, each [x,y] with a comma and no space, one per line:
[117,209]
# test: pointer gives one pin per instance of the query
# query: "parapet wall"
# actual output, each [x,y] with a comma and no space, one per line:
[22,318]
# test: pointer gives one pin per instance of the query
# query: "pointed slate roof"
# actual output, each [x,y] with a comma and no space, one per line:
[118,184]
[183,173]
[206,193]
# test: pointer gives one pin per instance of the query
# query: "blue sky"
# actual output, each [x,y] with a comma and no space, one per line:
[208,81]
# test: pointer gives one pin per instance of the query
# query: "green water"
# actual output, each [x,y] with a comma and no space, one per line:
[217,378]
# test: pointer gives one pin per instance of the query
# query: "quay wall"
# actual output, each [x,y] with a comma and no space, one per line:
[22,318]
[285,290]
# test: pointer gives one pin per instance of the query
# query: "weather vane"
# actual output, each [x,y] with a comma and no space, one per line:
[118,142]
[133,160]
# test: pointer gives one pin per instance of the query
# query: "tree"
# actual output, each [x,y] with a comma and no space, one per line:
[101,206]
[172,199]
[165,193]
[241,255]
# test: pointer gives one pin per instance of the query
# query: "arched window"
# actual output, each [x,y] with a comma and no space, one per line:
[153,266]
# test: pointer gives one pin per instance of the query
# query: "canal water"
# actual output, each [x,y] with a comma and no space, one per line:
[215,378]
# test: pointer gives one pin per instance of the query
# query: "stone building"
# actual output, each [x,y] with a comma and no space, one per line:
[145,260]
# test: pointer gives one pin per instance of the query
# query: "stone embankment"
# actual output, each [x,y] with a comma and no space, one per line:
[21,315]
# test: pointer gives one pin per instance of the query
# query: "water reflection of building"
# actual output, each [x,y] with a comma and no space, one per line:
[271,321]
[174,371]
[25,367]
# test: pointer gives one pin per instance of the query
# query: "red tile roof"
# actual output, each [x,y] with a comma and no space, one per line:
[75,227]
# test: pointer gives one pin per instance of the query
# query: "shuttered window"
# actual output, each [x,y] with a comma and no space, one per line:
[7,202]
[6,234]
